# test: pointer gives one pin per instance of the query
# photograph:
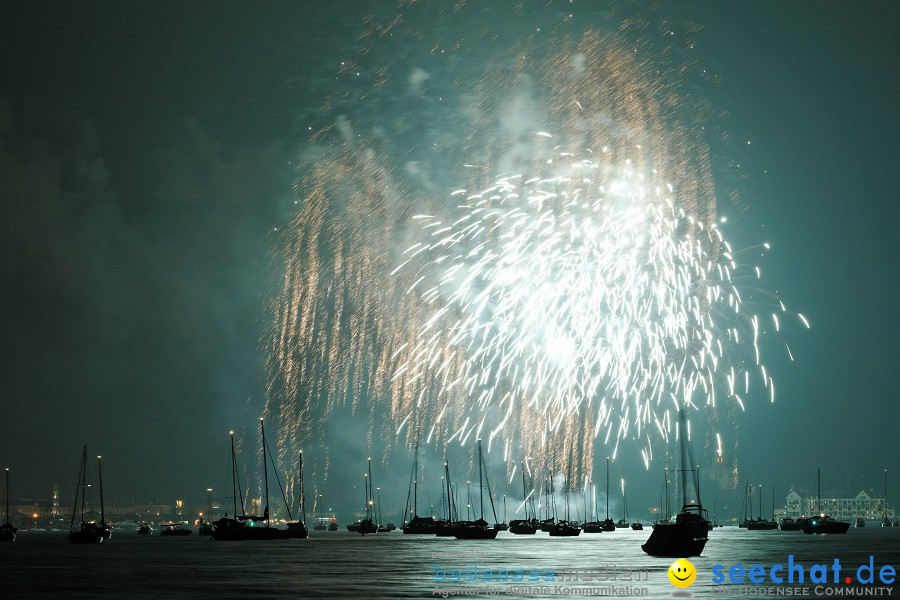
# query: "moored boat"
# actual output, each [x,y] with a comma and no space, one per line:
[104,528]
[791,524]
[87,533]
[607,524]
[688,535]
[7,530]
[173,529]
[479,529]
[823,523]
[249,527]
[528,525]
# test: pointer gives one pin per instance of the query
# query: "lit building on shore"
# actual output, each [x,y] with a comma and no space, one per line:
[861,505]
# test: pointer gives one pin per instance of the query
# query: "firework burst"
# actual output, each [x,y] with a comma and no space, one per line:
[584,295]
[586,304]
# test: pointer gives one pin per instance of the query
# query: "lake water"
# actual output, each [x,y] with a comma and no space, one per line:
[393,565]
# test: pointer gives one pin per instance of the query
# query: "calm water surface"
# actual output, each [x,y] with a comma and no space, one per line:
[342,564]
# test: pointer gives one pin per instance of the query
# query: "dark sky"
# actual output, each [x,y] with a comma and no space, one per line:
[147,154]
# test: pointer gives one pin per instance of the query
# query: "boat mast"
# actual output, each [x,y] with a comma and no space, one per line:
[379,507]
[83,480]
[234,481]
[366,486]
[525,496]
[100,474]
[78,487]
[668,508]
[449,497]
[370,493]
[760,502]
[303,492]
[750,500]
[416,478]
[265,469]
[480,484]
[883,504]
[607,488]
[584,501]
[7,494]
[819,491]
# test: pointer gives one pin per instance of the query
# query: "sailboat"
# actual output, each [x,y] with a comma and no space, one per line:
[528,525]
[664,509]
[746,507]
[244,527]
[688,535]
[504,525]
[296,529]
[563,527]
[478,529]
[320,520]
[636,525]
[104,529]
[445,527]
[592,526]
[368,525]
[608,524]
[623,522]
[206,527]
[760,523]
[381,527]
[7,531]
[884,523]
[87,533]
[549,505]
[822,523]
[416,525]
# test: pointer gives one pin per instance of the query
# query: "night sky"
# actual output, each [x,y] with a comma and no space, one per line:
[147,157]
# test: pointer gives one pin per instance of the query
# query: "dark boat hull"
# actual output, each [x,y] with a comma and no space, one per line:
[522,527]
[475,532]
[367,527]
[824,526]
[792,524]
[674,542]
[420,526]
[565,530]
[7,533]
[592,527]
[761,525]
[687,536]
[445,528]
[297,530]
[85,535]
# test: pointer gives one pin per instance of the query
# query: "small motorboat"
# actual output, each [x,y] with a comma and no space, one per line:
[174,529]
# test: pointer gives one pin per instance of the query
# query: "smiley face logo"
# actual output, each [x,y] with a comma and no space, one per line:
[682,573]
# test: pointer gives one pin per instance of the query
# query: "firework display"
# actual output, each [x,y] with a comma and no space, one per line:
[575,289]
